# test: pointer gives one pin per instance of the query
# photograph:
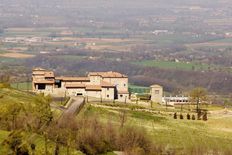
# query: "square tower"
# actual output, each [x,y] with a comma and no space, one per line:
[156,93]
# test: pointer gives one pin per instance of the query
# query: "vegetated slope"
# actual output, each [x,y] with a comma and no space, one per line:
[15,96]
[12,99]
[178,136]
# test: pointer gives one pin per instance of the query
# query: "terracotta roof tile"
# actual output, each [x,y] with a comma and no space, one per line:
[106,84]
[44,81]
[75,86]
[123,92]
[109,74]
[73,78]
[49,74]
[93,88]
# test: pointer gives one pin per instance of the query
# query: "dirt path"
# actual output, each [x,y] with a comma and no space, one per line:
[74,107]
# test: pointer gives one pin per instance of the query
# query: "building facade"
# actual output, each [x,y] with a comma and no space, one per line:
[176,100]
[105,85]
[156,94]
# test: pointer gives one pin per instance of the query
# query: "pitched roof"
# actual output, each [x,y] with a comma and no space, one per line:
[49,74]
[73,78]
[155,86]
[107,84]
[44,81]
[39,69]
[43,72]
[38,72]
[75,86]
[123,92]
[109,74]
[93,88]
[90,87]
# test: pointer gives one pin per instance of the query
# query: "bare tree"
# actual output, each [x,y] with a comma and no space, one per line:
[123,118]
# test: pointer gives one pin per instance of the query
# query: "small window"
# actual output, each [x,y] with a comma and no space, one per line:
[124,85]
[41,87]
[121,95]
[108,96]
[156,91]
[108,89]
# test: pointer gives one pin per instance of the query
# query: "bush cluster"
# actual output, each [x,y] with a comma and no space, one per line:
[91,136]
[193,117]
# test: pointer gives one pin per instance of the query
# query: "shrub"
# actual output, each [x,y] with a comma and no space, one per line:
[91,136]
[188,117]
[175,116]
[135,151]
[16,143]
[205,118]
[193,117]
[91,143]
[133,139]
[181,116]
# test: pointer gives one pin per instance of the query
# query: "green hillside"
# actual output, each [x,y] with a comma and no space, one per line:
[11,98]
[15,96]
[172,135]
[176,135]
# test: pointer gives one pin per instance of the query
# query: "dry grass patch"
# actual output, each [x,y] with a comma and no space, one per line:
[17,55]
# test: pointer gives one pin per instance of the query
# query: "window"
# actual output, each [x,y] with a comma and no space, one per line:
[156,91]
[108,96]
[41,86]
[108,89]
[124,85]
[121,95]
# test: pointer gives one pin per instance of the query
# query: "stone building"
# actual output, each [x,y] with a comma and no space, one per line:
[157,94]
[105,85]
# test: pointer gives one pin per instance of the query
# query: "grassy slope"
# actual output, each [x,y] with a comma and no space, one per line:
[15,96]
[22,85]
[182,135]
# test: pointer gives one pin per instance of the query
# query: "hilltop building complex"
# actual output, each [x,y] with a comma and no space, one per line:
[105,85]
[101,85]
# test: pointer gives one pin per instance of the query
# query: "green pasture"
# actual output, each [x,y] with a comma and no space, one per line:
[172,65]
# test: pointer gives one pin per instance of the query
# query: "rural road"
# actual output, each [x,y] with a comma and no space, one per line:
[74,106]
